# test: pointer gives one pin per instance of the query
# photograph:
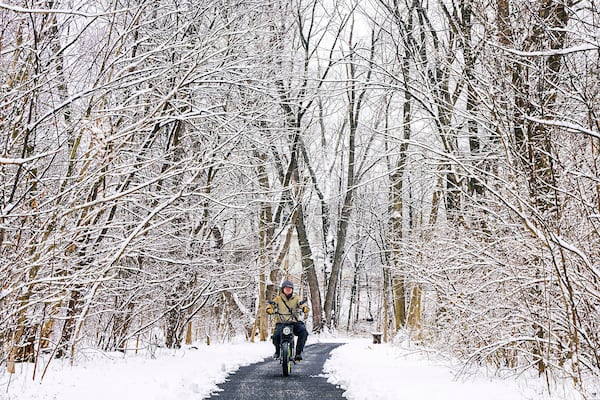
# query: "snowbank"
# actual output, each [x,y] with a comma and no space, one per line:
[391,372]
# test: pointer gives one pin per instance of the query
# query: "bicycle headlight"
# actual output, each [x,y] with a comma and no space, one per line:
[287,330]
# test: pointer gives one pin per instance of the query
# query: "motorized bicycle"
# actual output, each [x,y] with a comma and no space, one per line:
[287,344]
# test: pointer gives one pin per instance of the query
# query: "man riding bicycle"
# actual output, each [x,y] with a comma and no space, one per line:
[288,305]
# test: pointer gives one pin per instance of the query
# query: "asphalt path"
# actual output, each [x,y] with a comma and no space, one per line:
[265,380]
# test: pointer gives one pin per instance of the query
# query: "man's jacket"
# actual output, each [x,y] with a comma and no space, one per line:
[289,309]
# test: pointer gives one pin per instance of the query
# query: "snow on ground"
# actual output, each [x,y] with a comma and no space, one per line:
[173,375]
[365,371]
[391,372]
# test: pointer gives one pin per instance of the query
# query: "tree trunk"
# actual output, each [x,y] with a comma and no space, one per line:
[386,306]
[397,176]
[353,295]
[265,238]
[68,330]
[188,334]
[308,267]
[475,185]
[399,301]
[354,107]
[414,313]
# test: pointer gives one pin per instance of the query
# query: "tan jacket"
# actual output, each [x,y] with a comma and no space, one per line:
[289,309]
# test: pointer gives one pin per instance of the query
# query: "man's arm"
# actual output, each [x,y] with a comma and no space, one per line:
[271,305]
[302,305]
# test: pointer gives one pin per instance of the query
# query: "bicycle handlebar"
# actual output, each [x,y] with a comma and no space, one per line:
[276,308]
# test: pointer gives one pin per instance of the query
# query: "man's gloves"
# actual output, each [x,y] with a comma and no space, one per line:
[305,308]
[270,310]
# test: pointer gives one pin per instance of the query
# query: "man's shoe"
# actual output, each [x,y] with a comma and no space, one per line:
[298,357]
[276,356]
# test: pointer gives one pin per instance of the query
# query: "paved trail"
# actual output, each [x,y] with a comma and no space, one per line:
[265,381]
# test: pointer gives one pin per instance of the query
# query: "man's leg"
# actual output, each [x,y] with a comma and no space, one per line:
[277,338]
[302,333]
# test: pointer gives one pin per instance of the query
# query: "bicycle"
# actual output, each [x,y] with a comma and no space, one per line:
[287,344]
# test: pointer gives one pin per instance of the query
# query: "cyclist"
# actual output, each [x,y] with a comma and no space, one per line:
[288,306]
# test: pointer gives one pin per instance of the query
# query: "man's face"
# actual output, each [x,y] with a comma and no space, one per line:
[287,290]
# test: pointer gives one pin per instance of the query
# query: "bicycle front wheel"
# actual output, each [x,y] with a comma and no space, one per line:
[286,358]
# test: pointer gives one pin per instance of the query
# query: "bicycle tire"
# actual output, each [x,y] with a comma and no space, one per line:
[286,358]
